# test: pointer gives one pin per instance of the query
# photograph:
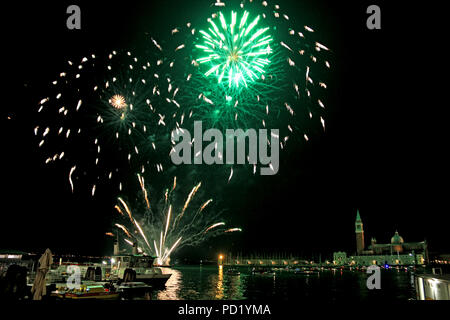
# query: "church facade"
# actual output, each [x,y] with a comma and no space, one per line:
[397,252]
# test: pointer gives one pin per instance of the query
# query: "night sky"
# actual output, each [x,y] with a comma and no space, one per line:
[383,151]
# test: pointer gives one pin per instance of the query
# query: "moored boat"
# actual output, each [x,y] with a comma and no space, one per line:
[232,272]
[87,292]
[262,272]
[132,268]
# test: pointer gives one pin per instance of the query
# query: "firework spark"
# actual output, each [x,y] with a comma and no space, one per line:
[70,176]
[103,115]
[237,52]
[118,102]
[250,65]
[167,234]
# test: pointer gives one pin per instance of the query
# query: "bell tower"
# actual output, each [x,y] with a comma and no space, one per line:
[359,231]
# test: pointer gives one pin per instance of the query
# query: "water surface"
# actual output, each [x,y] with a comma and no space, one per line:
[212,283]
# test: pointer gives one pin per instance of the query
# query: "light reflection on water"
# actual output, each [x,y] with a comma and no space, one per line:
[213,283]
[201,283]
[172,286]
[219,290]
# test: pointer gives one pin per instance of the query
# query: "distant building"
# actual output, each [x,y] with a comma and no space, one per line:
[397,252]
[359,231]
[11,257]
[340,258]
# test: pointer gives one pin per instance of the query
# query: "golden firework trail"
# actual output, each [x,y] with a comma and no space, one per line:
[214,226]
[233,230]
[167,233]
[174,183]
[167,222]
[199,211]
[231,175]
[124,229]
[160,243]
[156,249]
[126,208]
[118,209]
[189,198]
[186,204]
[167,254]
[141,232]
[205,204]
[144,190]
[70,176]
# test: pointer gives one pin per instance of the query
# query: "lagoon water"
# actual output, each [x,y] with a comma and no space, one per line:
[212,283]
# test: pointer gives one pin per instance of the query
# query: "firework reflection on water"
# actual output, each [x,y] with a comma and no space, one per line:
[206,283]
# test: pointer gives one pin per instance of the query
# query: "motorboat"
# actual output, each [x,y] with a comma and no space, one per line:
[262,272]
[232,272]
[137,268]
[87,292]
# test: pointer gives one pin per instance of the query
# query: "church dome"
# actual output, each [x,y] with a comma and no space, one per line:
[396,239]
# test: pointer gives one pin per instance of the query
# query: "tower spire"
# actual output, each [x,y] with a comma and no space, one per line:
[359,231]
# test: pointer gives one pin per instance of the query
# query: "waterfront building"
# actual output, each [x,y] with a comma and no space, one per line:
[397,252]
[359,231]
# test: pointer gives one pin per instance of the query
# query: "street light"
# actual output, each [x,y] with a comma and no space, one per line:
[220,259]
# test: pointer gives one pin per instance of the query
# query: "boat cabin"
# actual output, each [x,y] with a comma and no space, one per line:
[131,261]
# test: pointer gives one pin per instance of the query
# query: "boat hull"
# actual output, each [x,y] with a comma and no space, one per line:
[155,280]
[130,291]
[94,296]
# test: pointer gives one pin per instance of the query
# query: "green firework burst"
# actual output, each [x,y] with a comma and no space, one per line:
[236,71]
[237,52]
[249,66]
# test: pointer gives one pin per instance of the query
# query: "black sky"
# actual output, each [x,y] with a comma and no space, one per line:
[383,151]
